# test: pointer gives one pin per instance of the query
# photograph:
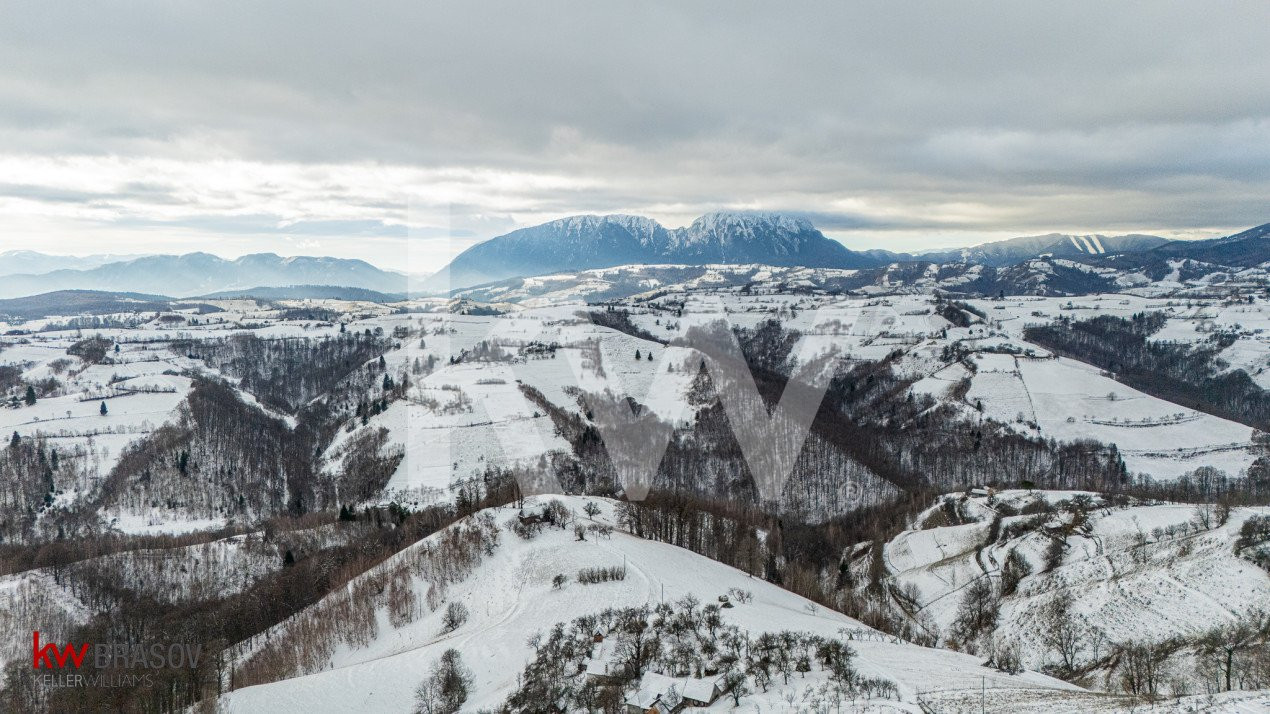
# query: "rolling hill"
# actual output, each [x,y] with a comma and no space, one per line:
[510,595]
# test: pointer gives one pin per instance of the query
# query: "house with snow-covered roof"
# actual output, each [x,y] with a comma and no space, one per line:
[657,694]
[702,692]
[602,666]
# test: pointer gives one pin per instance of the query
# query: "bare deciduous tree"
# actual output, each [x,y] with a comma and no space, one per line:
[1064,634]
[455,615]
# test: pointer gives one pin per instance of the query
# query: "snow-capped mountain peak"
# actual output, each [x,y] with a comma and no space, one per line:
[751,221]
[644,229]
[730,227]
[586,242]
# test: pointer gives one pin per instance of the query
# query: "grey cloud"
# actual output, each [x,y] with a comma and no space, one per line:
[265,224]
[1080,113]
[150,193]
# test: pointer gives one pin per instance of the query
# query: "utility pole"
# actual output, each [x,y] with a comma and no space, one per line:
[983,688]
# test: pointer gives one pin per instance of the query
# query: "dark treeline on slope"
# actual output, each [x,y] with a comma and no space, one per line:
[309,312]
[97,322]
[620,320]
[368,464]
[1209,485]
[218,623]
[812,560]
[287,373]
[226,458]
[958,313]
[871,439]
[27,485]
[34,473]
[1184,374]
[19,557]
[222,457]
[92,350]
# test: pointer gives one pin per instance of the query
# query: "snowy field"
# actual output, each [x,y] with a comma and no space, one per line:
[1070,400]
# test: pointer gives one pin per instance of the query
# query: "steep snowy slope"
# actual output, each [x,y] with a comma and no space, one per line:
[1143,573]
[470,413]
[510,596]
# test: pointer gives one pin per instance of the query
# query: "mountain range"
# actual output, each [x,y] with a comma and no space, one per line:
[1243,250]
[591,242]
[33,262]
[196,274]
[1058,245]
[585,242]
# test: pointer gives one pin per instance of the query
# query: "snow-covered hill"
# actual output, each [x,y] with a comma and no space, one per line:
[1110,574]
[461,408]
[511,596]
[270,449]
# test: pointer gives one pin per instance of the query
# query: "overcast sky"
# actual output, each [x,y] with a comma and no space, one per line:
[402,132]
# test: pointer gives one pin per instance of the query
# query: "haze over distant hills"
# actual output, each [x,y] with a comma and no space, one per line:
[195,274]
[13,262]
[590,242]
